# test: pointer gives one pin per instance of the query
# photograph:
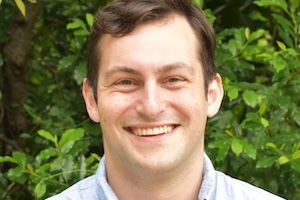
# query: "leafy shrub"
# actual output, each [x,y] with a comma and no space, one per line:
[61,162]
[255,137]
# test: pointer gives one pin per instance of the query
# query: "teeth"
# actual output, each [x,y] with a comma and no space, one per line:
[151,131]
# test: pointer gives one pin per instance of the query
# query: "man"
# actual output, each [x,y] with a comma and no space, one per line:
[151,85]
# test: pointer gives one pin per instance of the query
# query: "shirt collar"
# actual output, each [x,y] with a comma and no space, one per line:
[104,191]
[207,190]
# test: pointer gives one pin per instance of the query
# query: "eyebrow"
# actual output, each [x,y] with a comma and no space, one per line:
[124,69]
[176,65]
[164,69]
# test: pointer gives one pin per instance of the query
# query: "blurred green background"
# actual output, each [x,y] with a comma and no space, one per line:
[47,141]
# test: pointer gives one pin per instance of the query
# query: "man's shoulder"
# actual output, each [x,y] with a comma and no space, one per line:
[237,189]
[84,189]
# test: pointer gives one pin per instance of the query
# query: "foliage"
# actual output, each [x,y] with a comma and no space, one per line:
[59,164]
[255,137]
[55,107]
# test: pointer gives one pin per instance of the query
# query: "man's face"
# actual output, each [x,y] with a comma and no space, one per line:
[151,101]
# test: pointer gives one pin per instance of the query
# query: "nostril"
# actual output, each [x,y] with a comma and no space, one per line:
[150,108]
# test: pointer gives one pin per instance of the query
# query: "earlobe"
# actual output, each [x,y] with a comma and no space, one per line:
[214,96]
[90,102]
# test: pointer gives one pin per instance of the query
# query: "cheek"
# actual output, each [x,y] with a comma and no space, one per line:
[113,106]
[192,104]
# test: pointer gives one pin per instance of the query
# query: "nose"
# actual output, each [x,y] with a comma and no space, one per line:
[151,102]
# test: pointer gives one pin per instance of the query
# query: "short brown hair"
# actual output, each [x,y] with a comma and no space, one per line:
[120,17]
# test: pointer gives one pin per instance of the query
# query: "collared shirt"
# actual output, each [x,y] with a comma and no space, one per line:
[215,185]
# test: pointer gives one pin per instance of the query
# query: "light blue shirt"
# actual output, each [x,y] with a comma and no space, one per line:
[215,186]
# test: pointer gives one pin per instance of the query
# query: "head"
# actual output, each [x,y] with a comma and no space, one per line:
[152,84]
[123,16]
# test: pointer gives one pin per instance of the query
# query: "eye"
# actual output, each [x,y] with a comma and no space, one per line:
[125,82]
[174,80]
[126,85]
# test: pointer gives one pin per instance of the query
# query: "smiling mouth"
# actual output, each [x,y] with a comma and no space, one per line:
[146,132]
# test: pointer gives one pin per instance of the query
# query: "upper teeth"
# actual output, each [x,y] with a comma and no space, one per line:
[151,131]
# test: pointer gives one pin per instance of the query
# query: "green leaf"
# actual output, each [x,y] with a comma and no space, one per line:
[69,138]
[296,165]
[73,25]
[18,174]
[283,160]
[222,152]
[249,149]
[37,119]
[8,159]
[250,98]
[210,16]
[40,189]
[0,2]
[67,166]
[266,162]
[77,23]
[273,3]
[257,34]
[264,122]
[20,4]
[80,72]
[198,3]
[233,93]
[89,19]
[44,168]
[223,146]
[296,112]
[285,24]
[272,146]
[263,108]
[247,33]
[81,32]
[295,5]
[296,155]
[236,146]
[30,168]
[98,158]
[282,147]
[67,61]
[281,45]
[252,121]
[82,173]
[287,37]
[279,63]
[20,158]
[48,136]
[45,154]
[233,46]
[228,132]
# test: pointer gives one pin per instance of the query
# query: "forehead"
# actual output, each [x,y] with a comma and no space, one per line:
[158,42]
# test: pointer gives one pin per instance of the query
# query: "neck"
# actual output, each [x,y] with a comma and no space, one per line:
[183,182]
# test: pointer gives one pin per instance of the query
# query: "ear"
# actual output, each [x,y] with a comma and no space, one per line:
[214,95]
[90,102]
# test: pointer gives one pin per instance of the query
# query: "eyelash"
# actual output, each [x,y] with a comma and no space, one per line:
[125,82]
[174,79]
